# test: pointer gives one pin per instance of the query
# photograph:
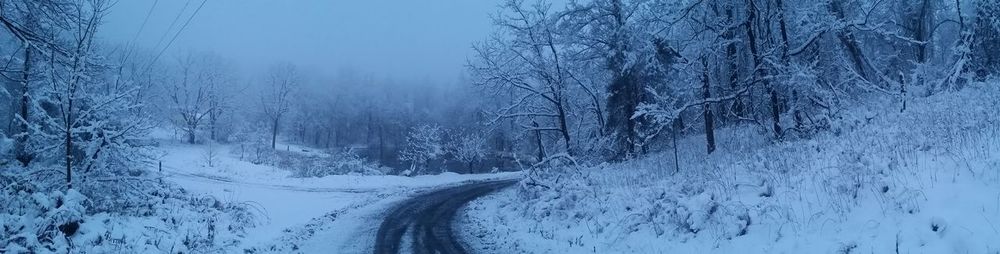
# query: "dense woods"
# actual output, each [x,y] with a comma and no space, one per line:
[610,80]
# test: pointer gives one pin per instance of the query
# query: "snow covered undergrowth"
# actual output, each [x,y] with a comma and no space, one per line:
[137,214]
[923,181]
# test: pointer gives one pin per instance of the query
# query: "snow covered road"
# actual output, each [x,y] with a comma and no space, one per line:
[339,213]
[427,219]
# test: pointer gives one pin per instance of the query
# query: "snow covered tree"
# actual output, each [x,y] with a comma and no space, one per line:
[82,108]
[73,99]
[189,94]
[608,36]
[423,144]
[525,61]
[469,149]
[23,21]
[986,38]
[218,78]
[199,94]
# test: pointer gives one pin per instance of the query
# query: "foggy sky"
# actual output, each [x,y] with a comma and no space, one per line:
[424,40]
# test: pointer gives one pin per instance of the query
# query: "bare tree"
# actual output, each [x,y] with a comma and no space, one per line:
[189,95]
[282,79]
[221,86]
[530,67]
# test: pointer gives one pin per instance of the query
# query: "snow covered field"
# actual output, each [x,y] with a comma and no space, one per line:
[226,206]
[923,181]
[304,214]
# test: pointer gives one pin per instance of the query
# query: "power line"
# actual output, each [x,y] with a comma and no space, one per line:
[144,21]
[171,42]
[172,24]
[141,28]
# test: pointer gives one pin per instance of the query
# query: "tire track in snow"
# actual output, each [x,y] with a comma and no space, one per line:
[427,219]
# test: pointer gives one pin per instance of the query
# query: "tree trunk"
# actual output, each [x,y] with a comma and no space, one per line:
[369,129]
[538,139]
[623,95]
[759,73]
[775,113]
[678,125]
[21,141]
[326,140]
[921,33]
[783,28]
[846,38]
[563,126]
[737,106]
[902,92]
[709,120]
[274,134]
[191,134]
[213,119]
[69,140]
[337,134]
[381,145]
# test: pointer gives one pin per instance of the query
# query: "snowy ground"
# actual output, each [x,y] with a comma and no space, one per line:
[309,215]
[923,181]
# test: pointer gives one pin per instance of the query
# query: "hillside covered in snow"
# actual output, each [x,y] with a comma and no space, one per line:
[926,180]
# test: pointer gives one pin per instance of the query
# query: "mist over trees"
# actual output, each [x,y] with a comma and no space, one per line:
[87,125]
[600,80]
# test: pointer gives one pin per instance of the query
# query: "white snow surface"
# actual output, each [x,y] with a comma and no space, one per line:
[923,181]
[308,215]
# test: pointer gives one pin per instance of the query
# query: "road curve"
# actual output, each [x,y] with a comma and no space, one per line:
[427,218]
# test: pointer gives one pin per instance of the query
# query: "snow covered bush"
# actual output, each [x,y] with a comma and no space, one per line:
[38,221]
[580,195]
[470,149]
[341,163]
[252,145]
[211,154]
[424,143]
[157,217]
[254,148]
[879,181]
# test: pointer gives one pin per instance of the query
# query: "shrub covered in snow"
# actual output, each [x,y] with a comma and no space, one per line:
[879,181]
[38,221]
[423,143]
[129,215]
[340,163]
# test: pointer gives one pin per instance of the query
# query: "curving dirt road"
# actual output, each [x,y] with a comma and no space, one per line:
[425,221]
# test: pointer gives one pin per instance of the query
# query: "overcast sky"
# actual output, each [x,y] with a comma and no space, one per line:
[398,39]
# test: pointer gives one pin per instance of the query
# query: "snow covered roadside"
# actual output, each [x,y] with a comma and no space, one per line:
[310,215]
[923,181]
[352,228]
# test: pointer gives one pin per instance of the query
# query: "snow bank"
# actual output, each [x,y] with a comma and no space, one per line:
[926,180]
